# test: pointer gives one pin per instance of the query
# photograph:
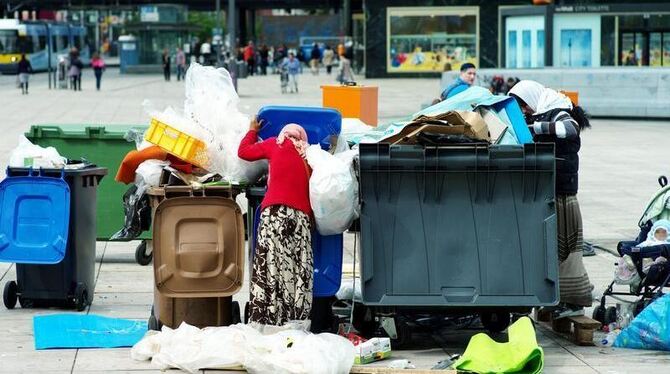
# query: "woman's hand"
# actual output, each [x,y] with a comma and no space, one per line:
[255,125]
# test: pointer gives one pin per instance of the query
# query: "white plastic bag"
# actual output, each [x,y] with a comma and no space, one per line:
[332,193]
[285,350]
[148,173]
[27,154]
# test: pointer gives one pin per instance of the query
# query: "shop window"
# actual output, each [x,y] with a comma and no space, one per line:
[431,39]
[511,49]
[540,48]
[525,48]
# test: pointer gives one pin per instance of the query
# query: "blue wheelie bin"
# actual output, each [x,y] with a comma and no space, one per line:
[47,227]
[323,126]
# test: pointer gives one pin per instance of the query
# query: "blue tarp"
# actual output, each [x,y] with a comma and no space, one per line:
[86,331]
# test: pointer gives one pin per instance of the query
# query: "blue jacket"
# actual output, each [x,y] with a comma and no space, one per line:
[293,67]
[455,88]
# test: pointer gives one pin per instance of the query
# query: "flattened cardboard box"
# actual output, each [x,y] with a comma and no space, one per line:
[466,123]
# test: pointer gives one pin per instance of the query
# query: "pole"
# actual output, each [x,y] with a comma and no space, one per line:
[48,52]
[219,27]
[232,58]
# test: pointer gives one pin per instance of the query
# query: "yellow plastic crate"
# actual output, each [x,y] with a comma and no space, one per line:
[177,143]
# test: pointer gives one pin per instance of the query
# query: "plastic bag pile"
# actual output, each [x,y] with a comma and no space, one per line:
[211,114]
[333,190]
[283,351]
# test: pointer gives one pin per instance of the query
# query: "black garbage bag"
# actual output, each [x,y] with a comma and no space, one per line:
[137,215]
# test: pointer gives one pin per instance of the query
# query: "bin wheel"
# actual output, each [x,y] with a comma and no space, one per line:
[610,315]
[80,297]
[10,294]
[495,322]
[599,314]
[404,332]
[235,316]
[141,256]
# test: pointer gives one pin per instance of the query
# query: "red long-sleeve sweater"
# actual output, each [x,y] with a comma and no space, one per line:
[288,182]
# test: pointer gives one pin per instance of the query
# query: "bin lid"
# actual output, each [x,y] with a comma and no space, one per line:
[319,123]
[34,219]
[81,131]
[198,247]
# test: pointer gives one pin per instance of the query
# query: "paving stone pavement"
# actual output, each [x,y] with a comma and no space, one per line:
[618,175]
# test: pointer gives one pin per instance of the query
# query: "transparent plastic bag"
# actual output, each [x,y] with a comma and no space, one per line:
[332,191]
[27,154]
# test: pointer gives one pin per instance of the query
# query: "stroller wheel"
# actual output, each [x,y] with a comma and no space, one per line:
[599,313]
[610,315]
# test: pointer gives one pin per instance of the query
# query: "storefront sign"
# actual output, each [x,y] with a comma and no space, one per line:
[582,9]
[149,13]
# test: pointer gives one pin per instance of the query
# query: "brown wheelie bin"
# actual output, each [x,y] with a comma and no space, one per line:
[198,242]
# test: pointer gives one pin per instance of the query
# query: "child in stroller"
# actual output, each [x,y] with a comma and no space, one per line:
[643,265]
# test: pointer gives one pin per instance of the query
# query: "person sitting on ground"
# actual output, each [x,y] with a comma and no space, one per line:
[464,81]
[552,118]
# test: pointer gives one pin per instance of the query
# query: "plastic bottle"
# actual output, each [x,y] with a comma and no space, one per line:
[608,341]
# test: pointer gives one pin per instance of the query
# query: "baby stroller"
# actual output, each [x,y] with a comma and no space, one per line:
[648,265]
[283,78]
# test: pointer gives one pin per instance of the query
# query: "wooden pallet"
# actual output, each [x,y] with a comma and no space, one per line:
[579,328]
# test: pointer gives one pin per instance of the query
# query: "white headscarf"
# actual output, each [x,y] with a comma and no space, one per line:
[540,98]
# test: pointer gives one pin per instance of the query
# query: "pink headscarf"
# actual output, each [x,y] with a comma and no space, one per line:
[297,135]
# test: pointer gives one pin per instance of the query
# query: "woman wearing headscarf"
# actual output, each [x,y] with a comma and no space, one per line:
[552,117]
[282,276]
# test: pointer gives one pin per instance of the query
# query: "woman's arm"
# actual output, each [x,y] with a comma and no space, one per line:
[563,127]
[250,149]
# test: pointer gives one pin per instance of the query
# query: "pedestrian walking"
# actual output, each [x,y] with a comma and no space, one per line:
[345,73]
[283,269]
[24,70]
[328,59]
[180,61]
[292,67]
[249,57]
[265,58]
[166,64]
[75,70]
[315,58]
[98,65]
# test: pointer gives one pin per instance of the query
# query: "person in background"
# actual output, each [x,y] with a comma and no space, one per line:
[76,67]
[180,61]
[464,81]
[264,54]
[165,59]
[553,118]
[315,57]
[98,65]
[24,70]
[206,52]
[292,66]
[328,59]
[249,57]
[283,268]
[345,73]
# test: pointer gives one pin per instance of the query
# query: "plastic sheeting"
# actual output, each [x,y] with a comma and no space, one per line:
[258,349]
[86,331]
[650,329]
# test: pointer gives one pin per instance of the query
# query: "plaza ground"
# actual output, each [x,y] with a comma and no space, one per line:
[620,163]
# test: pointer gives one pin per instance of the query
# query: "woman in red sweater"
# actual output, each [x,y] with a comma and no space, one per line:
[283,270]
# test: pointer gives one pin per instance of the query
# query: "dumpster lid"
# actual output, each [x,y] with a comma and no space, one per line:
[198,247]
[82,131]
[34,219]
[319,123]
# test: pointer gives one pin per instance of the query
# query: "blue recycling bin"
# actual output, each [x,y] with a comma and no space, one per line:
[323,125]
[47,228]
